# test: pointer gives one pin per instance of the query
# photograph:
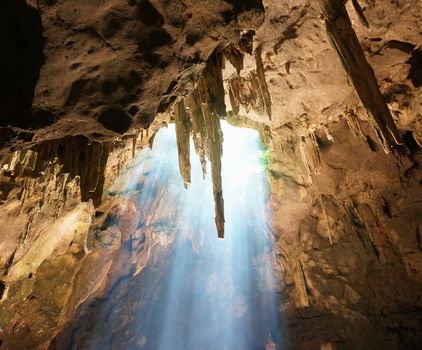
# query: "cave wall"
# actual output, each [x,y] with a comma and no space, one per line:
[346,209]
[54,255]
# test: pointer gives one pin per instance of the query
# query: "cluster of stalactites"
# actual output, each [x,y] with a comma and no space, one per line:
[73,155]
[352,57]
[198,114]
[250,91]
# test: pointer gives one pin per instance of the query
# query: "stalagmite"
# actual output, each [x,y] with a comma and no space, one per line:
[345,42]
[183,127]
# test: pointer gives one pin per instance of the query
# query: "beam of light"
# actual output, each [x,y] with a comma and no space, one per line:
[220,294]
[201,292]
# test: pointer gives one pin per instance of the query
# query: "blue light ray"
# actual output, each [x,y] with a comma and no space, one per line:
[200,292]
[218,289]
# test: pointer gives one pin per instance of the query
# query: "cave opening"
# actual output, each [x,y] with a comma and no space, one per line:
[192,290]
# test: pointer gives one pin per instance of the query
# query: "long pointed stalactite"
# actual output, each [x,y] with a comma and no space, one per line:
[346,44]
[262,83]
[183,127]
[200,114]
[198,125]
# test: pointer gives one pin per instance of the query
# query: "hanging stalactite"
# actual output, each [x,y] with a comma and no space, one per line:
[250,91]
[183,127]
[199,113]
[346,44]
[194,108]
[262,82]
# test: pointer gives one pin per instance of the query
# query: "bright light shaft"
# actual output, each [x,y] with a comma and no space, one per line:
[204,293]
[217,294]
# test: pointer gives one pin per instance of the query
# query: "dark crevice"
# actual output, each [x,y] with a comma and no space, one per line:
[246,5]
[76,92]
[400,45]
[410,142]
[415,72]
[116,119]
[148,14]
[2,289]
[22,45]
[372,144]
[386,208]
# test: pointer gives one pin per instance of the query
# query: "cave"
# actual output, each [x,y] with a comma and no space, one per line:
[204,174]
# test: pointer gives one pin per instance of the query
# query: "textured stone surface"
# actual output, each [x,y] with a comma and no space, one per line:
[78,81]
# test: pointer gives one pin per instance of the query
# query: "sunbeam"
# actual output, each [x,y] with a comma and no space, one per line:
[199,292]
[220,293]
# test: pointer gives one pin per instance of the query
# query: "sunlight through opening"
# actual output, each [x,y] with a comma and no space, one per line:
[212,294]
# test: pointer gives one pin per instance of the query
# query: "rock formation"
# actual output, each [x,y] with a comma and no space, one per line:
[204,106]
[333,87]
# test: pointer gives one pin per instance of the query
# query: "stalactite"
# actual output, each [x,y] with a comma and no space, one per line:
[354,124]
[204,106]
[58,168]
[310,154]
[234,56]
[81,157]
[304,157]
[214,147]
[300,282]
[234,94]
[193,104]
[211,86]
[134,142]
[361,216]
[315,153]
[183,129]
[263,87]
[346,44]
[211,92]
[246,92]
[324,212]
[250,91]
[360,13]
[234,52]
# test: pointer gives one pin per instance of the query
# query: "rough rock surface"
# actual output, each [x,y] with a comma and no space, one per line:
[79,79]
